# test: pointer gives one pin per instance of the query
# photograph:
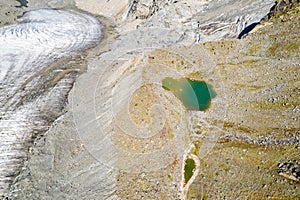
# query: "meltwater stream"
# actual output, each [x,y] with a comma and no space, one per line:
[37,69]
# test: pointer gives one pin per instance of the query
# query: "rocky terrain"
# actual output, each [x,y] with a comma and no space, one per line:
[123,136]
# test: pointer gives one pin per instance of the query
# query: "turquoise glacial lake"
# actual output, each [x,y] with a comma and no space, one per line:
[195,95]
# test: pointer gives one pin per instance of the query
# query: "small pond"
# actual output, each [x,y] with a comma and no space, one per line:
[189,169]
